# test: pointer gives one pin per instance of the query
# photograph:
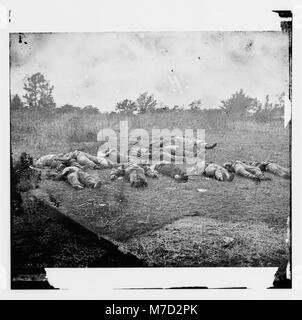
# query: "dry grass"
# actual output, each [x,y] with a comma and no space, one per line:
[206,242]
[55,133]
[254,216]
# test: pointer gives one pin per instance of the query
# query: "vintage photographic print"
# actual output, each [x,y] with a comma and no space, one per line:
[150,149]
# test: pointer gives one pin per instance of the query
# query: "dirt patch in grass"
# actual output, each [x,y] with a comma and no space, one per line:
[205,242]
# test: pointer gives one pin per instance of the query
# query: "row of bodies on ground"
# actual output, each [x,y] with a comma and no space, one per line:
[138,165]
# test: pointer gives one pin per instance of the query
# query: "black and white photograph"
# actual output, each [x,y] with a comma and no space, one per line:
[151,149]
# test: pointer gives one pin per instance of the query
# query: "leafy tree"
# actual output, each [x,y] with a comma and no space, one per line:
[195,105]
[256,106]
[162,107]
[16,103]
[177,108]
[39,93]
[126,106]
[270,111]
[279,107]
[268,104]
[90,110]
[67,108]
[238,105]
[112,114]
[146,103]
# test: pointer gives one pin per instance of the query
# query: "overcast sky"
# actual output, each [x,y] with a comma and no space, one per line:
[177,67]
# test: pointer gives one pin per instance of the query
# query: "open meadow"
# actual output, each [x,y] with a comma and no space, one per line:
[238,223]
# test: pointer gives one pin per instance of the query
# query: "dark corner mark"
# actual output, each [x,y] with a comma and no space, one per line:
[284,13]
[280,279]
[30,279]
[22,36]
[32,285]
[286,22]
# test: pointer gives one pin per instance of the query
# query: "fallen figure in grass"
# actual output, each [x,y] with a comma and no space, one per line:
[78,178]
[75,158]
[133,173]
[170,170]
[272,167]
[211,170]
[218,172]
[136,173]
[162,150]
[248,171]
[71,166]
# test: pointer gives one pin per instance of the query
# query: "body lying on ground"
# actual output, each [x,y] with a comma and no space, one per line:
[132,173]
[170,170]
[187,142]
[47,160]
[245,170]
[78,178]
[74,158]
[180,147]
[273,168]
[136,173]
[213,170]
[162,150]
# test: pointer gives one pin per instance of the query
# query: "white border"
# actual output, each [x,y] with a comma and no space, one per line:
[134,15]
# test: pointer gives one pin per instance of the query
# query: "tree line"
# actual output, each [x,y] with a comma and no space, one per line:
[39,97]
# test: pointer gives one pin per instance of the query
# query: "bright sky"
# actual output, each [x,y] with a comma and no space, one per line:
[177,67]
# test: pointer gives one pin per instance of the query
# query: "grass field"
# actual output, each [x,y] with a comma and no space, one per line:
[169,224]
